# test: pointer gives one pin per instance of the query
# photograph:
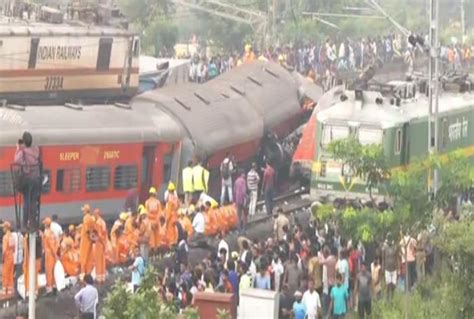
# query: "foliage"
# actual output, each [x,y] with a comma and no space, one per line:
[116,302]
[223,314]
[324,212]
[364,161]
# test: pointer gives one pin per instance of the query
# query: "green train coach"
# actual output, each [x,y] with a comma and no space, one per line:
[395,116]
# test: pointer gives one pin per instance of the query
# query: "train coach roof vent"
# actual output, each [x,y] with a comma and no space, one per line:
[201,98]
[182,104]
[73,106]
[237,90]
[253,80]
[123,106]
[271,73]
[225,95]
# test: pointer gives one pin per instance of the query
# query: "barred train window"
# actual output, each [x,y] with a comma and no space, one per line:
[398,141]
[68,180]
[97,178]
[6,187]
[125,177]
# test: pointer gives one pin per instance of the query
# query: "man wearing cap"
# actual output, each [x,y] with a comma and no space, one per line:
[50,244]
[70,257]
[152,204]
[100,245]
[298,307]
[85,250]
[8,270]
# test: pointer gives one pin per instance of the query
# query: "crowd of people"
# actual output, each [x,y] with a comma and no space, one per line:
[324,60]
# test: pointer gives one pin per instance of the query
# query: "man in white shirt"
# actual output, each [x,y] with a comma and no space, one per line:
[199,225]
[311,301]
[223,245]
[87,299]
[56,228]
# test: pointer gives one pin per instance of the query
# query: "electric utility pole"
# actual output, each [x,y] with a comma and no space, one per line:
[433,74]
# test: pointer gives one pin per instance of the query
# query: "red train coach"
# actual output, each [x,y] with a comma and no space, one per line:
[94,154]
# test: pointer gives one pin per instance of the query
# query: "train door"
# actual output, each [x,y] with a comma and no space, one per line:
[148,164]
[405,150]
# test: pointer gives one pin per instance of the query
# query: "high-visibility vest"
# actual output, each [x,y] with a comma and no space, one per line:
[188,180]
[206,180]
[199,184]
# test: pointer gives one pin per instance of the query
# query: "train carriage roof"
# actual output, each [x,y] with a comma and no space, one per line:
[213,121]
[271,89]
[386,115]
[99,124]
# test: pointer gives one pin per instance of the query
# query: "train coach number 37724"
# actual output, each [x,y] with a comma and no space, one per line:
[54,83]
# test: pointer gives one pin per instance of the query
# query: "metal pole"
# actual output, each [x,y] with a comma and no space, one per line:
[32,275]
[463,22]
[433,88]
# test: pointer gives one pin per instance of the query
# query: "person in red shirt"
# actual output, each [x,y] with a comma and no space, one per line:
[268,186]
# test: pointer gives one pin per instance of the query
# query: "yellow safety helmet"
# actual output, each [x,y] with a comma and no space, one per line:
[171,187]
[248,47]
[152,190]
[123,216]
[143,212]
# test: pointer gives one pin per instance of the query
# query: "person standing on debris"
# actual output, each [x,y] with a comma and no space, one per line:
[241,200]
[227,168]
[8,270]
[188,183]
[138,269]
[252,184]
[87,299]
[56,228]
[199,181]
[269,187]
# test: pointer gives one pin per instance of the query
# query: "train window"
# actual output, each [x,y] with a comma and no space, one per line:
[68,180]
[125,177]
[332,133]
[398,141]
[370,136]
[46,186]
[97,178]
[6,187]
[103,56]
[167,161]
[33,53]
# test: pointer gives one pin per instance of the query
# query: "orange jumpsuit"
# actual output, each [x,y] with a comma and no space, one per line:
[50,244]
[144,232]
[70,258]
[26,261]
[211,222]
[122,249]
[114,240]
[187,226]
[8,271]
[171,219]
[153,206]
[85,250]
[100,245]
[162,240]
[131,232]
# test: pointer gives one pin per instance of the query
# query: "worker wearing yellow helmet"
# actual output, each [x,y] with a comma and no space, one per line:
[172,205]
[154,208]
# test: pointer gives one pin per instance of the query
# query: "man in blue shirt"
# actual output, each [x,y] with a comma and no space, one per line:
[138,269]
[298,307]
[339,299]
[233,276]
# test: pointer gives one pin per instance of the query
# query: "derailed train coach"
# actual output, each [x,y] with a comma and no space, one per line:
[102,154]
[394,116]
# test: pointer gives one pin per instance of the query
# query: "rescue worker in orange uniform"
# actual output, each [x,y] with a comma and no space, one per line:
[100,246]
[144,234]
[154,209]
[123,247]
[186,222]
[26,262]
[51,245]
[172,205]
[211,219]
[131,230]
[8,270]
[68,238]
[114,235]
[70,257]
[163,244]
[88,234]
[249,55]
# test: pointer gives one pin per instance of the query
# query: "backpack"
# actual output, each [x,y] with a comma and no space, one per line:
[225,169]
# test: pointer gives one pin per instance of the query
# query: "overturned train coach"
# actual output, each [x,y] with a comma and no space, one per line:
[394,116]
[103,154]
